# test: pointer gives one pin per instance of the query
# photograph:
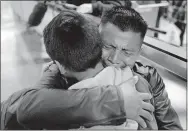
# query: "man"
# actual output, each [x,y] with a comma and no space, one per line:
[95,7]
[21,110]
[177,14]
[123,31]
[83,6]
[123,37]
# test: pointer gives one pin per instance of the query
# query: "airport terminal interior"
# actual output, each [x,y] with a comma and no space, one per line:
[23,55]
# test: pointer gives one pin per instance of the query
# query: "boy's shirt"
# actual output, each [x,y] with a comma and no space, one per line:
[108,76]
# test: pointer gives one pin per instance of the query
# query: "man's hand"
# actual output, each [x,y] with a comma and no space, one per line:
[47,66]
[70,6]
[85,8]
[135,107]
[50,68]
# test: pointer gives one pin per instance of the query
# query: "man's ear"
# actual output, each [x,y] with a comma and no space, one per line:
[140,51]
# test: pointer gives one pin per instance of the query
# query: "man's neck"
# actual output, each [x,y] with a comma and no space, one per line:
[89,73]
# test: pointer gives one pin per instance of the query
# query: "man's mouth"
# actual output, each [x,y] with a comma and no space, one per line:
[108,63]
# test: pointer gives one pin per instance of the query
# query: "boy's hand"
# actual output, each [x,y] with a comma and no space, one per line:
[134,104]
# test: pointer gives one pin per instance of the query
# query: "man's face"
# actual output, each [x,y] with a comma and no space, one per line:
[121,49]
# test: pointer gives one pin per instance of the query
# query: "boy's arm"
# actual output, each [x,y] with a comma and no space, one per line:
[166,116]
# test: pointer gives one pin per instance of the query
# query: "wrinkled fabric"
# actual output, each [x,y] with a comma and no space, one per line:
[165,115]
[115,77]
[49,108]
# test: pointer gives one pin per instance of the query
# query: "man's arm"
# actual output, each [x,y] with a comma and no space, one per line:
[166,116]
[51,108]
[54,108]
[64,109]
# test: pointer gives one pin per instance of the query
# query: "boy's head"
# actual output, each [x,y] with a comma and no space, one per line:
[73,41]
[123,30]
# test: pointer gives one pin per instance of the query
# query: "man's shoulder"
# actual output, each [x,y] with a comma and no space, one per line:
[143,69]
[149,73]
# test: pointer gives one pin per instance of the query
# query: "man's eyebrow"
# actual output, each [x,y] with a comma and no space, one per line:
[129,50]
[113,46]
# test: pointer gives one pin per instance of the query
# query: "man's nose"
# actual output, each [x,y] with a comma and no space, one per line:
[114,57]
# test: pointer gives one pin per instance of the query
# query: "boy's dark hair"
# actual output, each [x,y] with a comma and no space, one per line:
[125,18]
[73,41]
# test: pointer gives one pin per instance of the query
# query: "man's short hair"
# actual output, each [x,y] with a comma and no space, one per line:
[125,18]
[73,41]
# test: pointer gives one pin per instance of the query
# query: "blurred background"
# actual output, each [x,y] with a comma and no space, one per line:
[23,55]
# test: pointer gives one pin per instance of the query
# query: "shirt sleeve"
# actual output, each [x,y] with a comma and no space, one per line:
[65,109]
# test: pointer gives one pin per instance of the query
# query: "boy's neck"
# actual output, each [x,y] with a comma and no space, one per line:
[89,73]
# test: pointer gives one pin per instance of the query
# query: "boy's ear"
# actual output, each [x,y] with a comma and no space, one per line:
[141,49]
